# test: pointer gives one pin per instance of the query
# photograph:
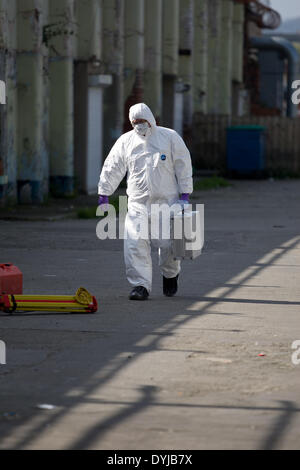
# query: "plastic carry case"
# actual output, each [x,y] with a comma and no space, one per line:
[187,232]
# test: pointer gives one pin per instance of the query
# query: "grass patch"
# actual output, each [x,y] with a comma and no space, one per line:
[282,174]
[213,182]
[87,212]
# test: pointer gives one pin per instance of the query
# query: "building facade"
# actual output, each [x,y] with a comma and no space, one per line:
[73,68]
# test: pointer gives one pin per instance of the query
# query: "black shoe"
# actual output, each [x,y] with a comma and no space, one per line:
[170,286]
[139,293]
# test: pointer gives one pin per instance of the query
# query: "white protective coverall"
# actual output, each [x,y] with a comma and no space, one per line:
[159,169]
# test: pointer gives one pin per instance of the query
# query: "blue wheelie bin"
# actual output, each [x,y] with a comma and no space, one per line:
[246,150]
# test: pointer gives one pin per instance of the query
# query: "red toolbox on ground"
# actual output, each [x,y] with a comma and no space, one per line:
[11,279]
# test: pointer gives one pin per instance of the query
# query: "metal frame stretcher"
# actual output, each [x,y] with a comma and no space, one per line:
[81,302]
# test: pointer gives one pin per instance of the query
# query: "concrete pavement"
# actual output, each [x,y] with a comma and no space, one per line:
[179,373]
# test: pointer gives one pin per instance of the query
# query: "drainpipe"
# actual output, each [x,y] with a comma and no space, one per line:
[3,111]
[170,36]
[288,50]
[89,84]
[214,47]
[225,85]
[238,21]
[200,56]
[134,56]
[60,38]
[113,63]
[153,57]
[170,60]
[186,60]
[30,100]
[239,93]
[88,14]
[11,106]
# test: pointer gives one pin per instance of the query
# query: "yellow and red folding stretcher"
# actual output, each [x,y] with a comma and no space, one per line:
[12,299]
[81,302]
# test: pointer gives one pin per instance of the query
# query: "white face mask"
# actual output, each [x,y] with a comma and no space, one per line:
[141,128]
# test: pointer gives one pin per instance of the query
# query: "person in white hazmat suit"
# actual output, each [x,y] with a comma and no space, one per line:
[159,170]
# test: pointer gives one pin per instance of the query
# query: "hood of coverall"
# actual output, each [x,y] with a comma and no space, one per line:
[142,111]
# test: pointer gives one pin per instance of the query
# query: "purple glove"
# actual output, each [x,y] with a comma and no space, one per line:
[103,202]
[185,197]
[184,200]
